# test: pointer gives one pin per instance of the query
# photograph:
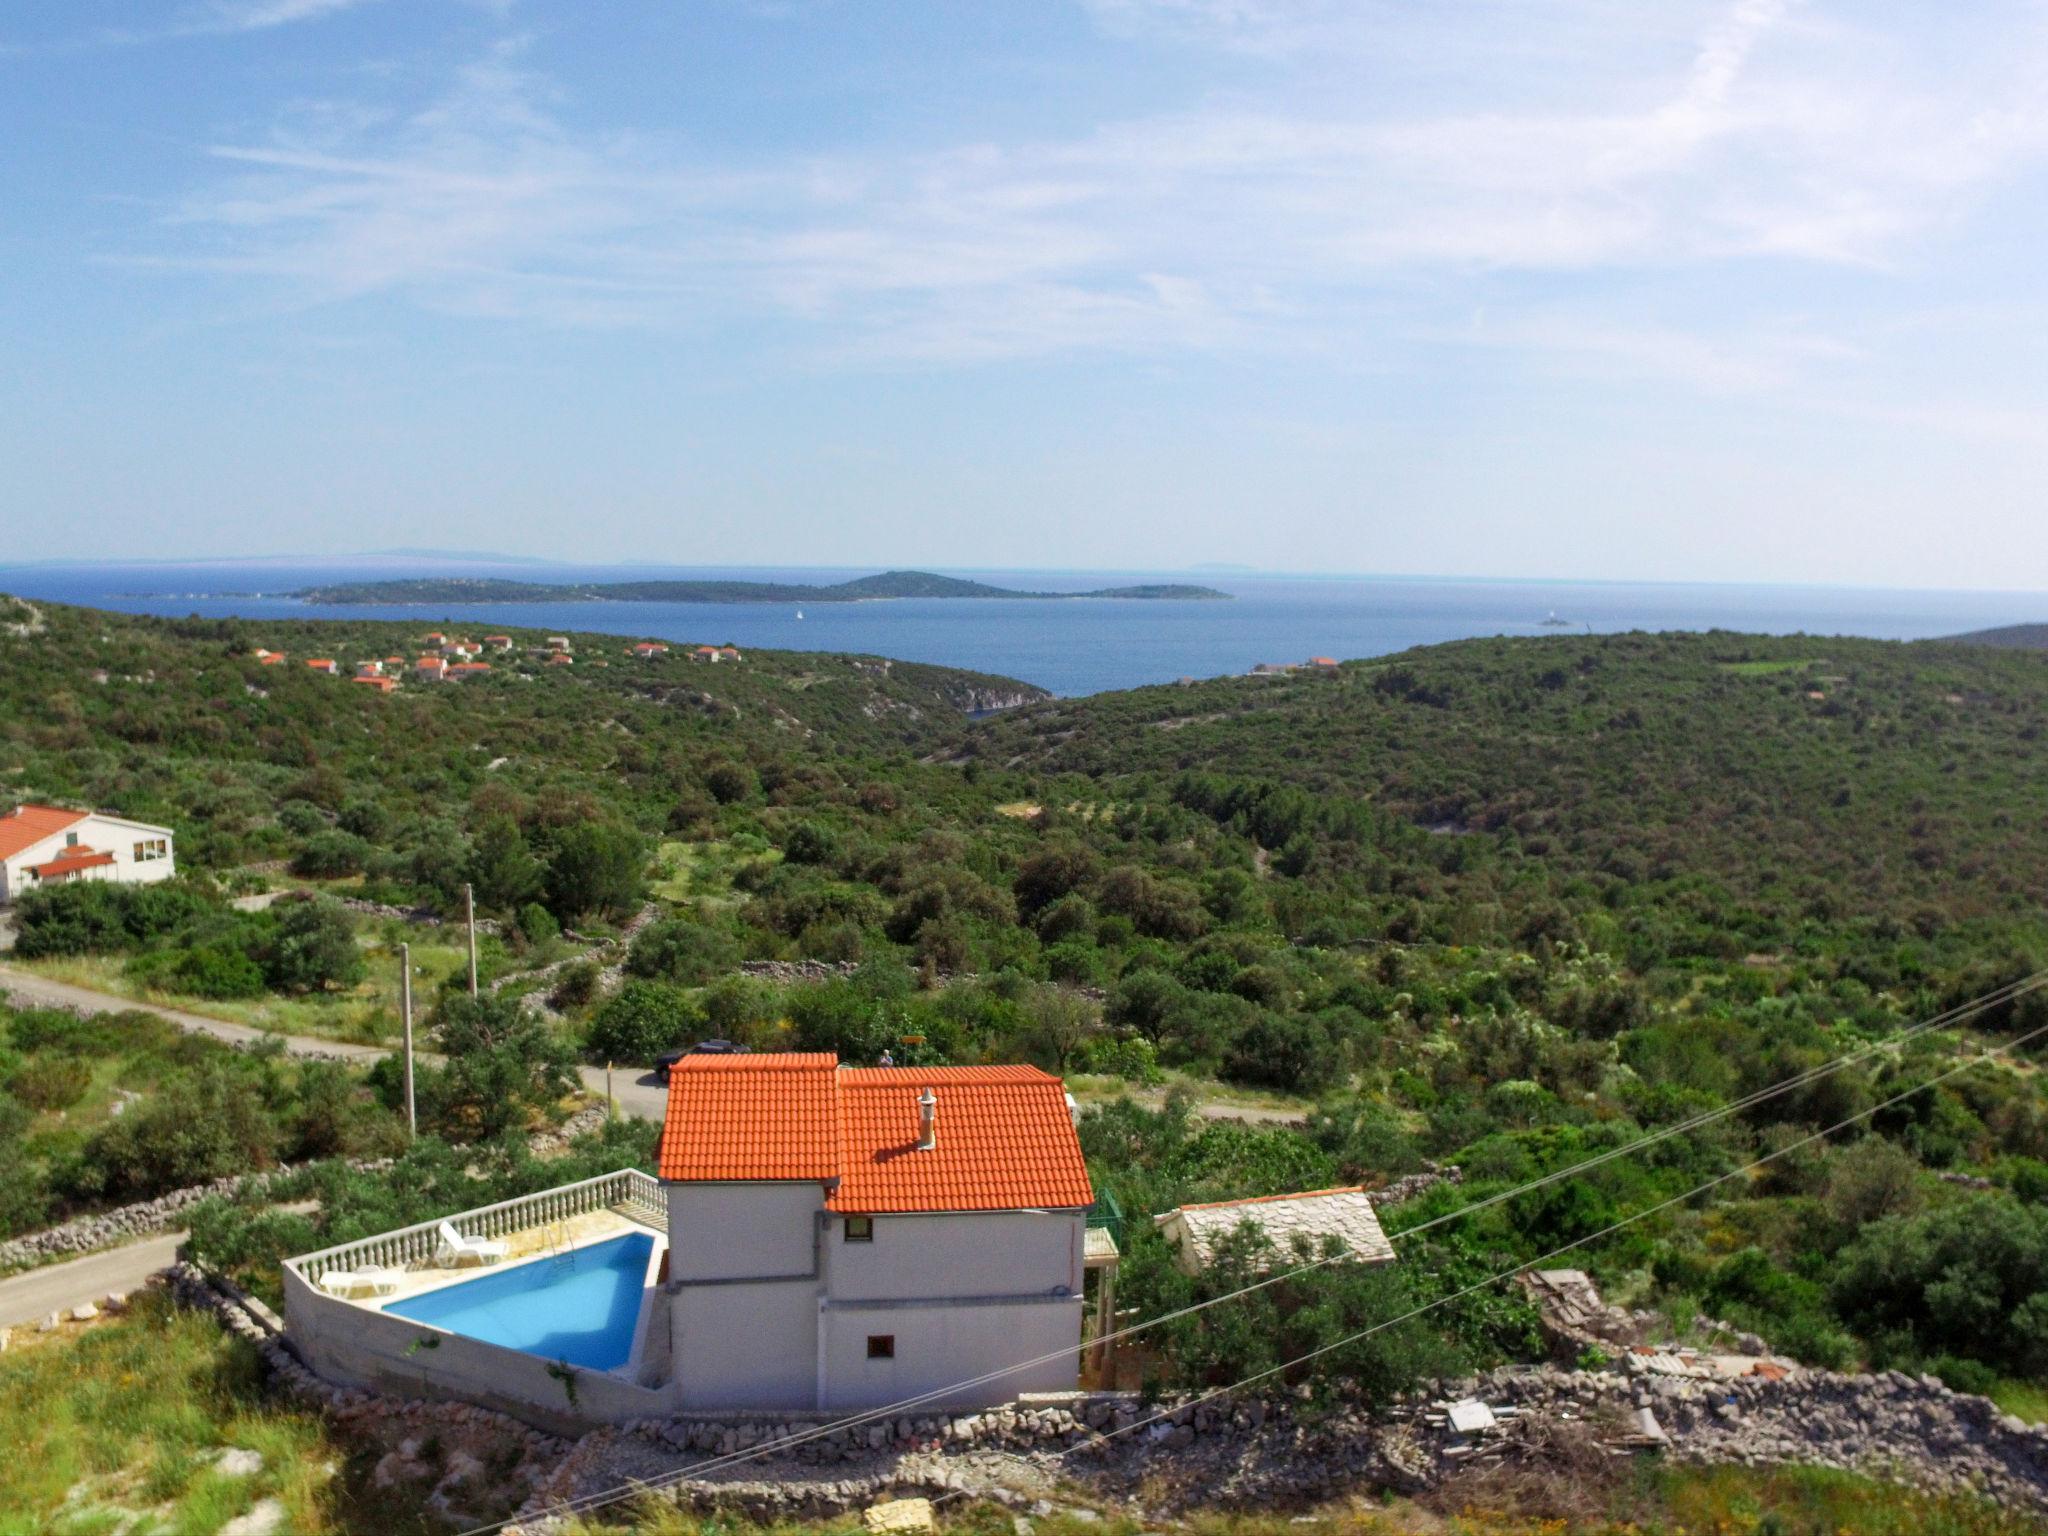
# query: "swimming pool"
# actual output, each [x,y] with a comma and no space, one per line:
[579,1307]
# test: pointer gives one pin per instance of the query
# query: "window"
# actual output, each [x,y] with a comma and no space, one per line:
[149,850]
[860,1229]
[881,1346]
[70,839]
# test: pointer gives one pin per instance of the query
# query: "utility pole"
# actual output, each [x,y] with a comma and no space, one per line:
[412,1118]
[469,906]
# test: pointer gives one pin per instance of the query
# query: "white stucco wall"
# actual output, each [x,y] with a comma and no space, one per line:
[938,1345]
[1001,1253]
[745,1346]
[735,1231]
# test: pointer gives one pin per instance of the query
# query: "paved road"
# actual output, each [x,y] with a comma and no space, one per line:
[55,1287]
[642,1096]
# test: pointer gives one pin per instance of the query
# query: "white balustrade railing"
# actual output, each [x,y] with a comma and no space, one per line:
[629,1191]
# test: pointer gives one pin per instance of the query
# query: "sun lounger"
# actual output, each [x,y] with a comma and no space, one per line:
[374,1280]
[455,1249]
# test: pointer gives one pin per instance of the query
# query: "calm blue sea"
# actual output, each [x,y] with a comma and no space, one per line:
[1071,648]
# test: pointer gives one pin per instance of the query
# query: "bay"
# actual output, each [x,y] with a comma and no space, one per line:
[1069,647]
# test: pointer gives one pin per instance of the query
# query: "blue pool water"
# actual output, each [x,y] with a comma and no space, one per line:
[580,1307]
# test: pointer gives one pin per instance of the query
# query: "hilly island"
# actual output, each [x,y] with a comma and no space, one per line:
[864,589]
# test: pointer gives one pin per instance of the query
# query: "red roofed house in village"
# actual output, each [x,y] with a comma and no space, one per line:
[648,648]
[844,1237]
[468,668]
[45,845]
[323,664]
[498,642]
[377,681]
[430,669]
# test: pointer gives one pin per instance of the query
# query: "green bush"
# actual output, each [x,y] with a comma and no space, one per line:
[640,1021]
[679,950]
[312,948]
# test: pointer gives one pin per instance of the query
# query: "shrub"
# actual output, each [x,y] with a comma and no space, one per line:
[331,854]
[640,1021]
[218,973]
[198,1127]
[538,924]
[50,1082]
[810,843]
[312,948]
[682,951]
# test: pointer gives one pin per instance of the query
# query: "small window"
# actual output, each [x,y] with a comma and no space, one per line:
[881,1346]
[70,839]
[860,1229]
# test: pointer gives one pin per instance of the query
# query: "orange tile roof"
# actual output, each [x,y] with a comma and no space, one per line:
[1006,1142]
[1005,1138]
[27,825]
[752,1117]
[71,861]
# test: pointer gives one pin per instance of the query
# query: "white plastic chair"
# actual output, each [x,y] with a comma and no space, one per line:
[456,1250]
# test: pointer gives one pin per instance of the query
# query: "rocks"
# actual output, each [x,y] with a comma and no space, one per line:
[237,1462]
[265,1518]
[900,1517]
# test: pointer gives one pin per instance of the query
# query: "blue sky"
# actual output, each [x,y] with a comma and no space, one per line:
[1738,290]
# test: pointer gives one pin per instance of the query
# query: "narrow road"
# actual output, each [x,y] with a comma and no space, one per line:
[642,1096]
[33,1296]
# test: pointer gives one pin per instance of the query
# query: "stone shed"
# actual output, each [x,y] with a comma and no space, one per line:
[1345,1215]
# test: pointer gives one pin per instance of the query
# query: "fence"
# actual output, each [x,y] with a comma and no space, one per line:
[629,1191]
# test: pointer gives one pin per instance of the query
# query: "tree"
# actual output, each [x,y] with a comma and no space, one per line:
[505,1066]
[1058,1024]
[640,1021]
[501,867]
[597,867]
[312,948]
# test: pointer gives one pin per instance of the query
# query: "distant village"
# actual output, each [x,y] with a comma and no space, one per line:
[447,658]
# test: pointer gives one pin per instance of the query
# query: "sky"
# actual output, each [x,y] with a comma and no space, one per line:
[1736,290]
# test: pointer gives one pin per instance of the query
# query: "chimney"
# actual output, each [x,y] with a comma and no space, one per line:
[927,1120]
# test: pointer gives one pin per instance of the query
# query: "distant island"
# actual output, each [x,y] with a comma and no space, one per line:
[864,589]
[2012,637]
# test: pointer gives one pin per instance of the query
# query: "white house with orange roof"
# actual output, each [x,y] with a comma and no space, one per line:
[42,845]
[841,1237]
[820,1238]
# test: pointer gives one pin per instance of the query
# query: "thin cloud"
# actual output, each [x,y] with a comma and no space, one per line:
[1777,134]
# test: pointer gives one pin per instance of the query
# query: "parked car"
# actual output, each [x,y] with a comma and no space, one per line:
[666,1061]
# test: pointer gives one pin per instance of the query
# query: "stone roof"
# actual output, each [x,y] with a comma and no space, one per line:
[1344,1214]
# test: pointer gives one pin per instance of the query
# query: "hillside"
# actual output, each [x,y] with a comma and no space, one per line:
[176,720]
[863,589]
[2012,637]
[1796,776]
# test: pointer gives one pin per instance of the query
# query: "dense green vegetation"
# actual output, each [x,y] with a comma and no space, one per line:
[1504,904]
[862,589]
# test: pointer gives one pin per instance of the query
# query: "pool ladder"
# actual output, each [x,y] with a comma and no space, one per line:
[555,1242]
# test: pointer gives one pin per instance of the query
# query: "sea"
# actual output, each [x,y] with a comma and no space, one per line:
[1070,648]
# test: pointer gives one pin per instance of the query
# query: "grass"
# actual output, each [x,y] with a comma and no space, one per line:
[122,1422]
[366,1014]
[700,874]
[2023,1399]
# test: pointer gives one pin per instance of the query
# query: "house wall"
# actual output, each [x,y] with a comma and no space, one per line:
[997,1253]
[743,1294]
[742,1231]
[940,1343]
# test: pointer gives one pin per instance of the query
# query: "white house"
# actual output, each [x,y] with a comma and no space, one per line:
[846,1237]
[46,845]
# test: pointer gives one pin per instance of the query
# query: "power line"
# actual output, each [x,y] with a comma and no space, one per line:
[1998,996]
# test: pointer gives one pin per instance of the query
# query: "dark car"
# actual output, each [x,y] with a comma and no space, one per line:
[667,1060]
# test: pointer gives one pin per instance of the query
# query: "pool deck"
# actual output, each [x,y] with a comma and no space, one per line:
[532,1243]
